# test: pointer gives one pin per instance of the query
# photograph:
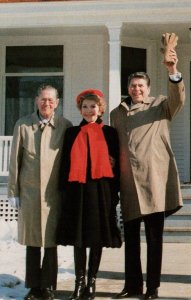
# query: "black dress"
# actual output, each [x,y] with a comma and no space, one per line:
[88,216]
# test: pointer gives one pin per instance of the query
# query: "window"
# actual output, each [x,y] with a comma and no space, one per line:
[26,68]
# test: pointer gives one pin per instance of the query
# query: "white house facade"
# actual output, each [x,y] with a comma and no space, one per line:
[91,44]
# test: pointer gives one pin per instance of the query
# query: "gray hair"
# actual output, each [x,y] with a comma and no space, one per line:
[46,87]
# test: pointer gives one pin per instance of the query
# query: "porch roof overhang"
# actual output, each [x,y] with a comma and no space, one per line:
[140,18]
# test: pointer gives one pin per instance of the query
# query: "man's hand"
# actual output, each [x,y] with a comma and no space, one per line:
[169,41]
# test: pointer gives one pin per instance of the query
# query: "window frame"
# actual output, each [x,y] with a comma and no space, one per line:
[4,75]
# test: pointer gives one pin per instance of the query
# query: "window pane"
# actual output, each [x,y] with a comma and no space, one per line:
[20,95]
[27,59]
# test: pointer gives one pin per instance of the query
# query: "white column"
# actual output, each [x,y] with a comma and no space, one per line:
[114,65]
[2,89]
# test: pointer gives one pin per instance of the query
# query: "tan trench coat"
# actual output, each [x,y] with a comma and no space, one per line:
[149,176]
[33,177]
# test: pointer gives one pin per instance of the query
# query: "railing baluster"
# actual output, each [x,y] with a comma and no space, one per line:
[1,155]
[5,151]
[5,157]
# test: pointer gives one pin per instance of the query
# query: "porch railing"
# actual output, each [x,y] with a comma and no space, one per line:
[5,151]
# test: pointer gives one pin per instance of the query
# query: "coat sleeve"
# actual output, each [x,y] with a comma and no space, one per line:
[175,100]
[15,163]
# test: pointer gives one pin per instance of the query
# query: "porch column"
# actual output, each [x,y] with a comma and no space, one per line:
[114,31]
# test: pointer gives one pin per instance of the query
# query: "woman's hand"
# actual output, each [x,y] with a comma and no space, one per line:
[112,161]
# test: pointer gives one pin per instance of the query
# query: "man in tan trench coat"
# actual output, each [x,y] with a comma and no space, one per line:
[33,189]
[150,186]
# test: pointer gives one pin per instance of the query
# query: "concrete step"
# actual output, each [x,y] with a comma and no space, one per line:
[173,235]
[177,235]
[178,220]
[186,190]
[177,227]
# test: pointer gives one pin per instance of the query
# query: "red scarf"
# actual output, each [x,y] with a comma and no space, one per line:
[99,156]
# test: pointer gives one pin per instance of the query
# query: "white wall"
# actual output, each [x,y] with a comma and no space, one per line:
[84,68]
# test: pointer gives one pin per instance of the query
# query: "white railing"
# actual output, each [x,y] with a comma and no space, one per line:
[5,151]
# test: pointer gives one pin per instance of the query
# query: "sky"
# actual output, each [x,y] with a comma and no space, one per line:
[12,266]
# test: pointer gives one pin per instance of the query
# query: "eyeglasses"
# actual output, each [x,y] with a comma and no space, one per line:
[50,101]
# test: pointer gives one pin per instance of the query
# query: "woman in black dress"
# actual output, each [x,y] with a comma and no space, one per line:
[89,180]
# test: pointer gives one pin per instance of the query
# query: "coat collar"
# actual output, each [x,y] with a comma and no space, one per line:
[36,122]
[126,103]
[84,122]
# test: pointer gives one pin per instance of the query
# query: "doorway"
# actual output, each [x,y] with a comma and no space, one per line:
[132,60]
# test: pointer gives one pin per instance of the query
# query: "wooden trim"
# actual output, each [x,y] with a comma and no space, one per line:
[17,1]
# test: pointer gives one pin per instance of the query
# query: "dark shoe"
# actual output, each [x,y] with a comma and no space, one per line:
[33,294]
[127,293]
[90,289]
[151,294]
[47,294]
[79,289]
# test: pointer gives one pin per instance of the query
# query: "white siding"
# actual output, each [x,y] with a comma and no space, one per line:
[177,140]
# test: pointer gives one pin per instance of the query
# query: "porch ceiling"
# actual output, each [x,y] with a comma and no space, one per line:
[140,18]
[153,31]
[150,31]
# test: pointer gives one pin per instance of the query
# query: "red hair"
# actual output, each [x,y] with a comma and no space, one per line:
[92,94]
